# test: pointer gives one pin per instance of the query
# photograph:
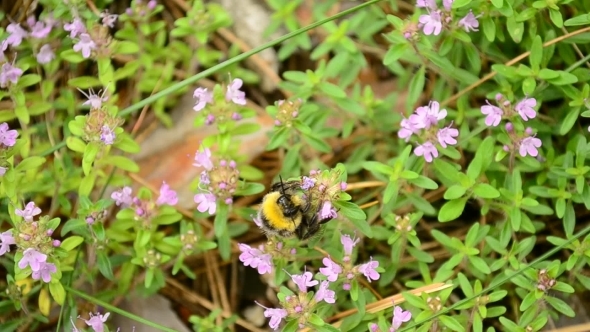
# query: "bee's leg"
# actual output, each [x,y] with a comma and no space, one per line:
[307,206]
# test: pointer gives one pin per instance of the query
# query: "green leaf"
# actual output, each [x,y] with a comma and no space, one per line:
[57,292]
[560,306]
[84,82]
[332,90]
[485,190]
[451,210]
[317,143]
[454,192]
[556,18]
[28,80]
[167,219]
[71,56]
[75,144]
[416,88]
[564,78]
[127,144]
[571,118]
[104,265]
[249,189]
[451,322]
[278,138]
[578,20]
[126,47]
[460,3]
[71,242]
[424,182]
[121,162]
[378,168]
[86,185]
[515,29]
[536,54]
[394,53]
[30,163]
[350,210]
[89,155]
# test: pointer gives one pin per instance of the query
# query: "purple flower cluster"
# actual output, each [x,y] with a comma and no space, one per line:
[218,181]
[347,271]
[100,124]
[222,108]
[525,141]
[33,241]
[261,258]
[323,188]
[424,124]
[302,304]
[38,35]
[439,18]
[145,209]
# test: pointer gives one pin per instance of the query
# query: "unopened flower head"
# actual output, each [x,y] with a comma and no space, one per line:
[100,125]
[287,112]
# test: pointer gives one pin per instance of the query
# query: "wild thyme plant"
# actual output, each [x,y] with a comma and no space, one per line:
[442,189]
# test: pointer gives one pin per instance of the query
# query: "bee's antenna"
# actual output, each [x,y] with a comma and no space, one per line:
[282,186]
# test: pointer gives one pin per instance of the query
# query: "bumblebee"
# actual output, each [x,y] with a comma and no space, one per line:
[285,213]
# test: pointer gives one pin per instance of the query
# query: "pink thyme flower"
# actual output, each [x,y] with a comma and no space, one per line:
[234,94]
[45,54]
[529,145]
[167,195]
[10,73]
[44,272]
[407,129]
[17,34]
[203,159]
[368,269]
[525,108]
[28,212]
[255,258]
[32,258]
[95,100]
[399,317]
[276,315]
[6,239]
[108,20]
[448,4]
[304,280]
[494,114]
[204,97]
[3,170]
[7,137]
[327,211]
[107,135]
[39,30]
[469,22]
[75,28]
[96,322]
[85,45]
[123,197]
[428,150]
[432,23]
[348,243]
[428,116]
[308,183]
[325,294]
[447,136]
[332,270]
[206,202]
[430,4]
